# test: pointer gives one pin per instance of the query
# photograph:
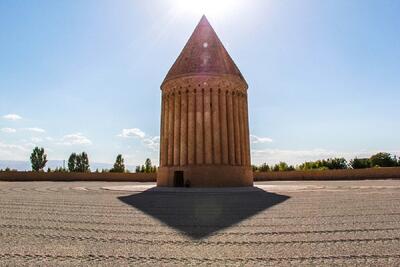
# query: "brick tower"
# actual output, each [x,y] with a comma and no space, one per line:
[204,117]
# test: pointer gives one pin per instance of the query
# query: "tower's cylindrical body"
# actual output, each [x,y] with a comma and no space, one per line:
[204,120]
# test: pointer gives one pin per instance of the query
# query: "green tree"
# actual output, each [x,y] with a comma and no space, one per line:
[78,163]
[60,169]
[283,166]
[336,163]
[383,160]
[362,163]
[137,170]
[38,159]
[82,163]
[264,168]
[291,168]
[332,164]
[276,168]
[148,166]
[119,165]
[72,162]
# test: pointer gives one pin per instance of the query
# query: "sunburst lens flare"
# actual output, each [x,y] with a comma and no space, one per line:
[212,8]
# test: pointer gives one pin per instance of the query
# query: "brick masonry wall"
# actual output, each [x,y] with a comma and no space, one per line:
[358,174]
[361,174]
[66,176]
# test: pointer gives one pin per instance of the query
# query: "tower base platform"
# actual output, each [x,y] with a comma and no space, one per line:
[205,176]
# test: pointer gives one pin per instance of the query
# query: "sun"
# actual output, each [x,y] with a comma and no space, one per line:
[212,8]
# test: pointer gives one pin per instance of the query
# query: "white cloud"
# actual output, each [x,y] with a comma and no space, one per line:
[134,132]
[75,139]
[35,130]
[259,140]
[12,117]
[8,130]
[152,143]
[12,146]
[15,152]
[36,139]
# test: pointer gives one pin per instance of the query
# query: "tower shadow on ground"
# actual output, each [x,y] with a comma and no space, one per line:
[200,213]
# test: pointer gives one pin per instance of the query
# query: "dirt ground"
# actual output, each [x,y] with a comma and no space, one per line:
[275,223]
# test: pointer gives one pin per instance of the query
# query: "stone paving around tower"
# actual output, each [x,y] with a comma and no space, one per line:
[277,223]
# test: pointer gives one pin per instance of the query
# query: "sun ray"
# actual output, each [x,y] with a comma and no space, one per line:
[212,8]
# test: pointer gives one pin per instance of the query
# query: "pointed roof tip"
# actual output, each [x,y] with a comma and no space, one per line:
[203,54]
[204,21]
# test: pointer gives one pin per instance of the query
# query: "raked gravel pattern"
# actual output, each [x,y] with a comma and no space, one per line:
[277,223]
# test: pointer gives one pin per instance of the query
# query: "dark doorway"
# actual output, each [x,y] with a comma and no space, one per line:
[178,179]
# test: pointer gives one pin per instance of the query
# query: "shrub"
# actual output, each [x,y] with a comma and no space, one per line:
[331,164]
[60,169]
[264,168]
[360,163]
[383,160]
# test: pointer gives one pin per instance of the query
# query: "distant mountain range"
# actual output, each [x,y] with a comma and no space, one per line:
[26,165]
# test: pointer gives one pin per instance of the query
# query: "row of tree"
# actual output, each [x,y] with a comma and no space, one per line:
[147,167]
[378,160]
[80,163]
[381,159]
[281,166]
[8,170]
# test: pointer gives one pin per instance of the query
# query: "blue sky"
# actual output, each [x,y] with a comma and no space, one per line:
[323,76]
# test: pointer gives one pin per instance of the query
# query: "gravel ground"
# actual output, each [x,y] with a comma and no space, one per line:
[276,223]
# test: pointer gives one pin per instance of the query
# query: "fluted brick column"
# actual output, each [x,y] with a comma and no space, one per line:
[177,128]
[238,152]
[242,129]
[199,127]
[231,129]
[171,100]
[246,117]
[216,127]
[191,127]
[224,127]
[162,130]
[184,129]
[207,127]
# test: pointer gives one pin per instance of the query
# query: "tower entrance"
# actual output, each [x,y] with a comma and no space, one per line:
[178,179]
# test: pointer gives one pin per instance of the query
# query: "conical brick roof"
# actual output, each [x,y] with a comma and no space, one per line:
[203,54]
